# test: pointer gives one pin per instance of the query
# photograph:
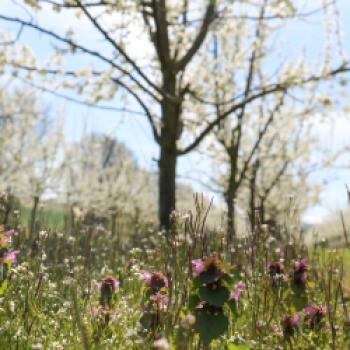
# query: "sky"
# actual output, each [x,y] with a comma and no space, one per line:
[134,131]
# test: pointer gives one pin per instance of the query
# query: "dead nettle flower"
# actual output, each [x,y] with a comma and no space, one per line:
[9,257]
[276,274]
[236,293]
[107,287]
[6,238]
[290,324]
[155,280]
[300,272]
[314,315]
[198,266]
[155,299]
[209,270]
[159,299]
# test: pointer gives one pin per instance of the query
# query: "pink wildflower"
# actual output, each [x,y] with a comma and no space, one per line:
[159,299]
[10,257]
[314,314]
[198,266]
[209,269]
[155,280]
[290,324]
[109,282]
[146,276]
[300,272]
[236,293]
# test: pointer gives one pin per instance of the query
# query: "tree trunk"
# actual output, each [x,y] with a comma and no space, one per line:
[230,204]
[230,219]
[33,217]
[168,151]
[252,199]
[167,181]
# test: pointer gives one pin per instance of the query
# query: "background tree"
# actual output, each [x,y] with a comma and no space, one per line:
[30,138]
[102,178]
[171,80]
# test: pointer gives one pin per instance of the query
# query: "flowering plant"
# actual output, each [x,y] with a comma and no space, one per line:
[155,300]
[213,291]
[7,256]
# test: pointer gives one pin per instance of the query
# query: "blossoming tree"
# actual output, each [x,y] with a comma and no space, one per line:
[158,53]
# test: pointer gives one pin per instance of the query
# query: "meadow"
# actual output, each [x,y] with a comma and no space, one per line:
[114,113]
[78,286]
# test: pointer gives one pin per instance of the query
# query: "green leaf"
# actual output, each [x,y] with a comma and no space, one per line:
[210,276]
[147,320]
[215,297]
[299,298]
[232,304]
[210,326]
[233,346]
[299,301]
[193,301]
[3,286]
[228,281]
[196,283]
[4,268]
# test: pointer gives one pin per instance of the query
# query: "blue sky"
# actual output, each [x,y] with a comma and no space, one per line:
[134,131]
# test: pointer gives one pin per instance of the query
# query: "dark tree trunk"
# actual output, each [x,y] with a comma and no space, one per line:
[167,180]
[262,209]
[230,204]
[252,199]
[33,217]
[168,151]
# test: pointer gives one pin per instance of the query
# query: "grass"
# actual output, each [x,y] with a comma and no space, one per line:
[50,217]
[77,286]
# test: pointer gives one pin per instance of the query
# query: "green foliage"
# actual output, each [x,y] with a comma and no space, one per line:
[210,325]
[214,296]
[233,346]
[51,299]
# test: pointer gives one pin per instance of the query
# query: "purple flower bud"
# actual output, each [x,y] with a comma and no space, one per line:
[209,269]
[155,280]
[9,257]
[300,272]
[159,299]
[110,282]
[198,266]
[236,293]
[314,315]
[289,324]
[107,287]
[275,272]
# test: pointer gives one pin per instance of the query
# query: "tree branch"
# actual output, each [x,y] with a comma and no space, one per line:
[120,49]
[284,86]
[115,80]
[161,38]
[198,41]
[73,6]
[259,139]
[74,100]
[74,45]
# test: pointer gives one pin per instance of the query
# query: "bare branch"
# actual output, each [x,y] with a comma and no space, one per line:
[74,100]
[115,80]
[268,90]
[198,41]
[74,45]
[74,6]
[121,50]
[259,139]
[161,37]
